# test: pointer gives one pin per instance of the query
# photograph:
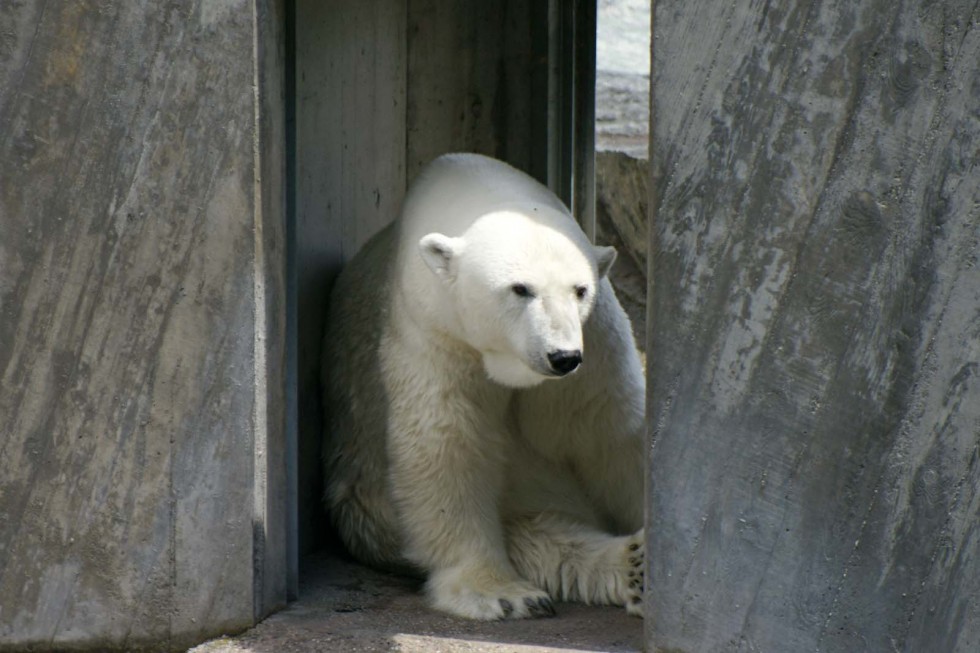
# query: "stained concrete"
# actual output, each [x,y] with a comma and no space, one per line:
[346,607]
[141,322]
[815,327]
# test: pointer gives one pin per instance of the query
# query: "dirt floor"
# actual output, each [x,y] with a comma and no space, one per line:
[346,607]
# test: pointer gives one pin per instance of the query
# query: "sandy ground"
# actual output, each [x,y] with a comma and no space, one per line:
[347,607]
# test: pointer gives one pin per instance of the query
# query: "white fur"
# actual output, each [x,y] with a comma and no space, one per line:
[453,446]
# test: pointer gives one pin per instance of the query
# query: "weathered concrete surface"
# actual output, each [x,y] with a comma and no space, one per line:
[815,337]
[348,608]
[475,78]
[141,317]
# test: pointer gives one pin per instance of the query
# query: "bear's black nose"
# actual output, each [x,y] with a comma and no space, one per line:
[564,361]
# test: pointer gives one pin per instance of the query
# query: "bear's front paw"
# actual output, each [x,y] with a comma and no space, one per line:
[478,594]
[635,558]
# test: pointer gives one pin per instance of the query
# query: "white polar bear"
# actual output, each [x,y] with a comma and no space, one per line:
[485,401]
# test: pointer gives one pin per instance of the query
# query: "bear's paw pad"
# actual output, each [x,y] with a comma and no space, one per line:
[635,559]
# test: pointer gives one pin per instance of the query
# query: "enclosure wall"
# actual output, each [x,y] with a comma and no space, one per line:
[815,314]
[141,322]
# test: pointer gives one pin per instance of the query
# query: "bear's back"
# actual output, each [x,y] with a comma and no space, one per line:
[453,191]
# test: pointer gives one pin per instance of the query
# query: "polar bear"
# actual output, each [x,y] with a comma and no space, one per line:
[485,401]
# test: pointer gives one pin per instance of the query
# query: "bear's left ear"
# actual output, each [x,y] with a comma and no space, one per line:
[438,252]
[604,258]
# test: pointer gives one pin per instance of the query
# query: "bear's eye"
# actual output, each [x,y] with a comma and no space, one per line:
[581,291]
[521,290]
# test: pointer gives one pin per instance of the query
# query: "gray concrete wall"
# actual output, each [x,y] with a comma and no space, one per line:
[815,335]
[141,318]
[350,179]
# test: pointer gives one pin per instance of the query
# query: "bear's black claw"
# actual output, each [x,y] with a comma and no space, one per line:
[540,607]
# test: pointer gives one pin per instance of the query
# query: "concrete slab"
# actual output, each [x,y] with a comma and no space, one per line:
[346,607]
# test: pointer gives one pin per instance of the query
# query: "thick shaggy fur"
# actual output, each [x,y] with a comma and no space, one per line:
[452,447]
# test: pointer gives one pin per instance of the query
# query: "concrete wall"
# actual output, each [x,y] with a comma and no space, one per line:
[141,319]
[383,87]
[815,340]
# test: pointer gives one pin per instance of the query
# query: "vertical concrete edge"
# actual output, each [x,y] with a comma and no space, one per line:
[270,541]
[651,345]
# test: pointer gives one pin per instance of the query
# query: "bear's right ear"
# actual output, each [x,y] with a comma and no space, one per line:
[605,257]
[438,252]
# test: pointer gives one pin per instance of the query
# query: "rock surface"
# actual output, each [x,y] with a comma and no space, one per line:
[622,183]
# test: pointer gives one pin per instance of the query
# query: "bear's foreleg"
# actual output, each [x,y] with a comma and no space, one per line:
[447,496]
[447,461]
[577,563]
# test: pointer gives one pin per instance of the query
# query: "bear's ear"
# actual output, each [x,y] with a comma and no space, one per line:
[438,252]
[604,258]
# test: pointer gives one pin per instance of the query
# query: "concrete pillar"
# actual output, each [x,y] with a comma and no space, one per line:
[141,322]
[815,327]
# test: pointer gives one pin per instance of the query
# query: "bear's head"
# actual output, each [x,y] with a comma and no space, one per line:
[521,285]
